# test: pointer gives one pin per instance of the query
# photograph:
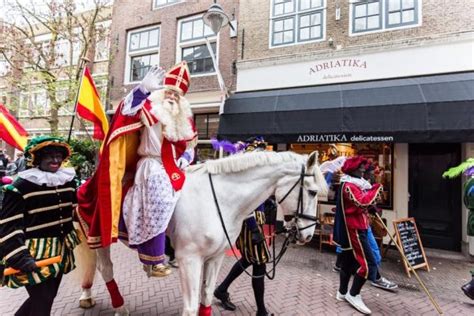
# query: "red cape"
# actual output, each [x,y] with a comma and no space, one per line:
[100,197]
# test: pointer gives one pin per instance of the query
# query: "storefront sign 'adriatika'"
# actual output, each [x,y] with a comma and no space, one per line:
[338,63]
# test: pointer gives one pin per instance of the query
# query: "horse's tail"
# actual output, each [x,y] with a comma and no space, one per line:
[86,262]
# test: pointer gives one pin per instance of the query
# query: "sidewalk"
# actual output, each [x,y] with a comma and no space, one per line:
[304,285]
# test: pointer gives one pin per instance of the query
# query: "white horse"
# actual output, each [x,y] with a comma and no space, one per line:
[241,183]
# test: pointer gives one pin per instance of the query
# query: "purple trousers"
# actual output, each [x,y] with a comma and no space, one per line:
[151,251]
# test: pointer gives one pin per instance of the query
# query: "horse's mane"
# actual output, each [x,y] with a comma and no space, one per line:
[241,162]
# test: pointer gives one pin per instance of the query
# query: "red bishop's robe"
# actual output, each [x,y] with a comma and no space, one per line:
[100,197]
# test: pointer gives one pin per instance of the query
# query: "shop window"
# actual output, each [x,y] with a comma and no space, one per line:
[380,15]
[206,125]
[297,21]
[143,48]
[192,34]
[379,154]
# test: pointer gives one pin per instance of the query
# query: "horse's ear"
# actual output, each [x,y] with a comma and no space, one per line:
[312,159]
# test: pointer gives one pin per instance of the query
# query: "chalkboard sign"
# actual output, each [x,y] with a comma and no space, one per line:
[410,242]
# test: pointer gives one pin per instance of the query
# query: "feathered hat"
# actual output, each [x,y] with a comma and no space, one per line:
[40,142]
[353,163]
[466,167]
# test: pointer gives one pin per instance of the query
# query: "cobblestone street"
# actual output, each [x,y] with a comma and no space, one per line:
[304,285]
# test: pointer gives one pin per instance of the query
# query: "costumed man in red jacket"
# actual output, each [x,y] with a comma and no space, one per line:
[134,191]
[356,197]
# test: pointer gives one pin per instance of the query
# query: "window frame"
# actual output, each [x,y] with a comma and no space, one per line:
[401,25]
[180,45]
[296,15]
[154,6]
[106,27]
[418,19]
[139,52]
[380,14]
[4,66]
[207,116]
[28,95]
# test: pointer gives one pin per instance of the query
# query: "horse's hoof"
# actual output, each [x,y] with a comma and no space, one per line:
[121,311]
[87,303]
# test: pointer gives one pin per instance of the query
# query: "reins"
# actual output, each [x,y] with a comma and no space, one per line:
[290,234]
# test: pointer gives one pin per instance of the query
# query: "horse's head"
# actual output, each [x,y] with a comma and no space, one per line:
[297,195]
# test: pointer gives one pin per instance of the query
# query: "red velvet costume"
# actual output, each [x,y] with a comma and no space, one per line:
[354,203]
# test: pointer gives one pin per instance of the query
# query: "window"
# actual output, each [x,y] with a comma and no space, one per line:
[61,53]
[379,154]
[192,45]
[297,21]
[401,12]
[4,66]
[162,3]
[367,16]
[375,15]
[206,125]
[35,103]
[198,58]
[102,45]
[142,52]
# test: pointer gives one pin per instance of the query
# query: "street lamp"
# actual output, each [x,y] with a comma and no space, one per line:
[216,18]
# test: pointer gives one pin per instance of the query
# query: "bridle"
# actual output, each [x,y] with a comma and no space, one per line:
[298,214]
[290,234]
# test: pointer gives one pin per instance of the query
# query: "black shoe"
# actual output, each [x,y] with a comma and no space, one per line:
[225,299]
[468,289]
[265,313]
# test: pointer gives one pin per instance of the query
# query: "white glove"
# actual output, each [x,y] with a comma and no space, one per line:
[153,79]
[182,163]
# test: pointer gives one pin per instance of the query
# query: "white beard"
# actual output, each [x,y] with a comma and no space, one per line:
[175,117]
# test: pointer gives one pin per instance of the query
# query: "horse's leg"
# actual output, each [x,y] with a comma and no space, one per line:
[211,271]
[105,266]
[190,270]
[86,300]
[86,263]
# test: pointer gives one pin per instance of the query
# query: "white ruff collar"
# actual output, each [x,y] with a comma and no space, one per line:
[51,179]
[360,182]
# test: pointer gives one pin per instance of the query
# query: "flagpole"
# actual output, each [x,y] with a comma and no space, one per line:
[82,68]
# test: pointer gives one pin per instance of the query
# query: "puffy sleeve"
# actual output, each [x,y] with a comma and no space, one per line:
[359,197]
[134,101]
[12,229]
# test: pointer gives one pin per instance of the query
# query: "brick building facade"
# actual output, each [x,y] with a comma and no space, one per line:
[166,32]
[389,79]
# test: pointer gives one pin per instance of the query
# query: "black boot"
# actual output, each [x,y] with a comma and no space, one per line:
[225,299]
[468,289]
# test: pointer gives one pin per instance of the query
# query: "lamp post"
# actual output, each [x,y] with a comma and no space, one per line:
[216,18]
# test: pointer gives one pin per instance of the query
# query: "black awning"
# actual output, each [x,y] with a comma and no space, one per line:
[420,109]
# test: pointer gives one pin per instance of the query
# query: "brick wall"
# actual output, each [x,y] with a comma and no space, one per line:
[131,14]
[439,18]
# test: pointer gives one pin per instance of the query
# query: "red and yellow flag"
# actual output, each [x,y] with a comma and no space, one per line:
[89,106]
[11,130]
